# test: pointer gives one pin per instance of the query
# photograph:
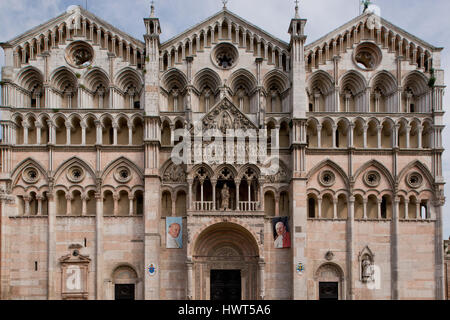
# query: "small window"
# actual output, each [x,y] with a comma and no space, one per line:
[35,266]
[412,108]
[311,208]
[383,208]
[137,104]
[337,138]
[311,107]
[33,103]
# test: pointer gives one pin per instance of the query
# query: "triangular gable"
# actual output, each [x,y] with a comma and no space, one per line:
[64,17]
[219,16]
[362,19]
[225,115]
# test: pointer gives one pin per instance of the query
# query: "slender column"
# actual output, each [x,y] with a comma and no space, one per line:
[365,201]
[131,205]
[116,204]
[115,128]
[417,209]
[51,249]
[406,209]
[319,136]
[262,285]
[419,137]
[98,126]
[190,194]
[68,132]
[238,183]
[349,245]
[39,209]
[130,134]
[99,247]
[83,126]
[319,208]
[365,127]
[408,132]
[334,128]
[379,136]
[27,200]
[277,205]
[84,199]
[190,266]
[394,249]
[379,202]
[214,183]
[68,204]
[335,203]
[26,126]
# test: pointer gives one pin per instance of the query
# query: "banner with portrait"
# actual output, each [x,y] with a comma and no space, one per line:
[174,233]
[281,232]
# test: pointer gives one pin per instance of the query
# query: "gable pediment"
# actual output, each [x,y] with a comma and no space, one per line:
[72,19]
[370,21]
[225,115]
[218,19]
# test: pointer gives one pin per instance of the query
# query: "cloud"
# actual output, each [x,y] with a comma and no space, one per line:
[427,20]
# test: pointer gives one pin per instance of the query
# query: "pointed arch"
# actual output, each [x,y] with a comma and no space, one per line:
[24,164]
[242,77]
[118,162]
[276,78]
[207,78]
[174,78]
[334,166]
[74,160]
[422,168]
[380,167]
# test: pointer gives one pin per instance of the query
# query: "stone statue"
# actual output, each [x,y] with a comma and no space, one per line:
[225,198]
[367,270]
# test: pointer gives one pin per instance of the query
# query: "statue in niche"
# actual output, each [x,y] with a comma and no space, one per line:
[367,269]
[225,198]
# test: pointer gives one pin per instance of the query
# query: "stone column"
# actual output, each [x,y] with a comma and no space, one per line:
[116,198]
[84,199]
[394,250]
[189,181]
[379,202]
[190,266]
[349,242]
[439,246]
[131,203]
[335,203]
[365,201]
[99,247]
[51,249]
[115,128]
[69,205]
[334,128]
[39,209]
[379,128]
[68,132]
[238,183]
[27,201]
[319,136]
[262,285]
[365,127]
[319,207]
[214,183]
[406,209]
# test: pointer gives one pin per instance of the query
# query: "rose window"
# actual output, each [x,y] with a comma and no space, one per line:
[75,174]
[327,178]
[367,56]
[30,175]
[414,180]
[122,175]
[225,56]
[79,54]
[372,178]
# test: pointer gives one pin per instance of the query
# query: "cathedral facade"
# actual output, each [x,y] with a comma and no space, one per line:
[223,163]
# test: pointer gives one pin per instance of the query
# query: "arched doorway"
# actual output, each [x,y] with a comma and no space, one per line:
[226,257]
[329,282]
[125,282]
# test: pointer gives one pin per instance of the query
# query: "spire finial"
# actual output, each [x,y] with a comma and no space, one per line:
[152,13]
[297,16]
[224,3]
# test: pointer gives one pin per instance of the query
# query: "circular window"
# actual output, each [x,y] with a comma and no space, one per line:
[75,174]
[367,56]
[414,180]
[372,178]
[30,175]
[79,55]
[225,56]
[327,178]
[122,174]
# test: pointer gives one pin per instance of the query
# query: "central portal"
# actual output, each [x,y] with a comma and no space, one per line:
[226,285]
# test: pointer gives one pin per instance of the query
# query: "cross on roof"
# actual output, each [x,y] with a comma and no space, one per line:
[224,3]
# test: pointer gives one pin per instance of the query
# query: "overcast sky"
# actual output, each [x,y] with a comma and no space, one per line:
[427,20]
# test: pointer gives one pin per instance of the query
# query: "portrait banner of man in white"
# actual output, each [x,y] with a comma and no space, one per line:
[174,239]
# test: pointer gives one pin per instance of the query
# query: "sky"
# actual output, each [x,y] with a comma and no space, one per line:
[427,20]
